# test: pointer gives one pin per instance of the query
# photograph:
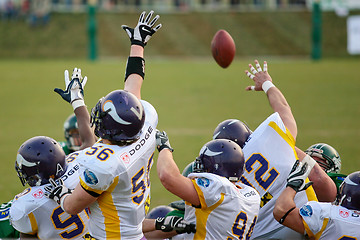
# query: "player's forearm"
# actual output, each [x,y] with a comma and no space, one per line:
[323,185]
[77,201]
[136,51]
[284,203]
[86,134]
[167,170]
[279,104]
[134,81]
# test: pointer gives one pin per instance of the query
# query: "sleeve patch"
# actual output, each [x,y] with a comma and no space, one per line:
[306,211]
[4,214]
[90,177]
[203,182]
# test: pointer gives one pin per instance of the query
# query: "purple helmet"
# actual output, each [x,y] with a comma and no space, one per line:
[118,117]
[39,159]
[159,211]
[234,130]
[349,195]
[222,157]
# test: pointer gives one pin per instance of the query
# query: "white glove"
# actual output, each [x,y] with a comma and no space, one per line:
[74,92]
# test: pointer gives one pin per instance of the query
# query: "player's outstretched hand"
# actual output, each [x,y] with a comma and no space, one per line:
[174,223]
[162,141]
[259,76]
[298,175]
[56,191]
[143,31]
[74,89]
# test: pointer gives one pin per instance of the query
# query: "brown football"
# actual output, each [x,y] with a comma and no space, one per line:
[223,48]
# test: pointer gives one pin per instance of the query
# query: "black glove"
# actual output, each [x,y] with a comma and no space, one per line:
[171,223]
[143,31]
[297,176]
[56,191]
[162,141]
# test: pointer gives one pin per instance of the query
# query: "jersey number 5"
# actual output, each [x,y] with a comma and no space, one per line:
[72,220]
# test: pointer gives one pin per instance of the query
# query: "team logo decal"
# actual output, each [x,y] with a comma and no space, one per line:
[90,177]
[306,211]
[203,182]
[125,157]
[344,213]
[4,214]
[38,194]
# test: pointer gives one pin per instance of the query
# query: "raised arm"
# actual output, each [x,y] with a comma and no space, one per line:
[169,173]
[323,185]
[263,82]
[285,210]
[139,36]
[74,94]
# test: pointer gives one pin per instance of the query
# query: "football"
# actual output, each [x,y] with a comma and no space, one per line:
[223,48]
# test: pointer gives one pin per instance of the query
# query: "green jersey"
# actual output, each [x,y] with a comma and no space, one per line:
[338,178]
[65,147]
[6,230]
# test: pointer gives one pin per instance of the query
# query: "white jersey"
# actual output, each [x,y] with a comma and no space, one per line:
[327,221]
[270,155]
[33,213]
[119,177]
[227,211]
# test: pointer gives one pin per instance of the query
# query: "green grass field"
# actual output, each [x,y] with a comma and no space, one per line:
[191,96]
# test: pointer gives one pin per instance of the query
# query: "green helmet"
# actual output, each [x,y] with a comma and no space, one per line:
[332,161]
[188,169]
[71,132]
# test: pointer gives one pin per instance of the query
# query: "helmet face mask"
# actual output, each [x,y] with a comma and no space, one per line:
[118,117]
[188,169]
[326,156]
[71,132]
[234,130]
[221,157]
[349,193]
[39,159]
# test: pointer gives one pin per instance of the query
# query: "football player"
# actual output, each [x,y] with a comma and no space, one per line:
[38,160]
[72,141]
[77,130]
[270,153]
[74,88]
[320,220]
[114,172]
[329,160]
[219,208]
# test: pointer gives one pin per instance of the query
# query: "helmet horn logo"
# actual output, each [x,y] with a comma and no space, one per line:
[138,114]
[22,162]
[109,107]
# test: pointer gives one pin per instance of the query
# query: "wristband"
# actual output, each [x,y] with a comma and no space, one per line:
[165,146]
[135,65]
[267,85]
[62,201]
[77,103]
[309,160]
